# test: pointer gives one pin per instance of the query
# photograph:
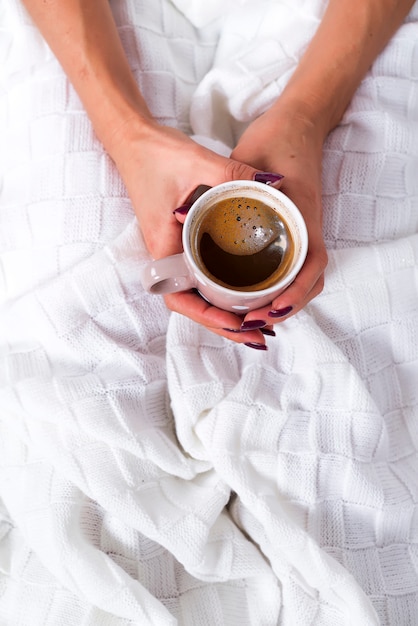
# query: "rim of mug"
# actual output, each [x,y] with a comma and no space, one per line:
[266,190]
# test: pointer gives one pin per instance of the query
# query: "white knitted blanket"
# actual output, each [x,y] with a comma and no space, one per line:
[152,473]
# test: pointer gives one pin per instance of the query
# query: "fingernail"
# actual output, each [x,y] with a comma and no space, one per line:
[256,346]
[268,331]
[183,209]
[200,189]
[267,177]
[232,330]
[280,312]
[253,325]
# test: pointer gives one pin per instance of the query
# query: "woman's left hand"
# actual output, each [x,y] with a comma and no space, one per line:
[286,141]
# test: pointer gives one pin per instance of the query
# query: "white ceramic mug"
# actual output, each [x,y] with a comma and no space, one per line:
[184,271]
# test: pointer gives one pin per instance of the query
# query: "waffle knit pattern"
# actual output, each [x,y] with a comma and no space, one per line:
[152,473]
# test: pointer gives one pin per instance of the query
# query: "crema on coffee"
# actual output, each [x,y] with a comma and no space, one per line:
[242,243]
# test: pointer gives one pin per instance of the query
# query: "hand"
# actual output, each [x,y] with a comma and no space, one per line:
[161,167]
[290,143]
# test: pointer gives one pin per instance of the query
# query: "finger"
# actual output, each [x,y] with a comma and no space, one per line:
[277,313]
[181,212]
[220,322]
[268,178]
[268,331]
[307,285]
[235,170]
[309,279]
[200,190]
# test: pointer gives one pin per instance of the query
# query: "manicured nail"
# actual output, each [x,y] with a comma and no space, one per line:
[253,325]
[267,177]
[268,331]
[280,312]
[256,346]
[183,209]
[200,189]
[232,330]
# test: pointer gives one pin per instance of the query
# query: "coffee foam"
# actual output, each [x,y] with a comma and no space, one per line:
[242,225]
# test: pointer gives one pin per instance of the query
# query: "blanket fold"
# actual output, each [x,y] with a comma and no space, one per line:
[152,472]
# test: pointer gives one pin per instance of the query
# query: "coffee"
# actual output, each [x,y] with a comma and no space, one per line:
[242,243]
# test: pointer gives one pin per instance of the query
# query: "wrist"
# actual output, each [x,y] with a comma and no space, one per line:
[349,37]
[301,119]
[109,94]
[84,37]
[114,111]
[318,115]
[128,138]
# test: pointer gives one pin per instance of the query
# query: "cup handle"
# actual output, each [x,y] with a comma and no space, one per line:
[167,275]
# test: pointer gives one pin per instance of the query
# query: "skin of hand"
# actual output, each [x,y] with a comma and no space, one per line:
[289,141]
[161,166]
[289,137]
[176,165]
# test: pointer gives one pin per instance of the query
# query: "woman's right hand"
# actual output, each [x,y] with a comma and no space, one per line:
[161,167]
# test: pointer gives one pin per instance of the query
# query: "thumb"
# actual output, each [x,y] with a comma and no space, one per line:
[236,170]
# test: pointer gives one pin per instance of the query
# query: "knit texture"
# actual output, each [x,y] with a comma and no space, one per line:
[151,472]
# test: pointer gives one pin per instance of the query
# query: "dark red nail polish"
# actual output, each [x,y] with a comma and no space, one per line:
[256,346]
[268,331]
[267,177]
[280,312]
[183,209]
[197,193]
[253,325]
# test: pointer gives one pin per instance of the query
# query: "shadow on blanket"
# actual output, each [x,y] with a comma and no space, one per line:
[152,472]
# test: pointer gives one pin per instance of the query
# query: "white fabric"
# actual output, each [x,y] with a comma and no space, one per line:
[201,14]
[152,472]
